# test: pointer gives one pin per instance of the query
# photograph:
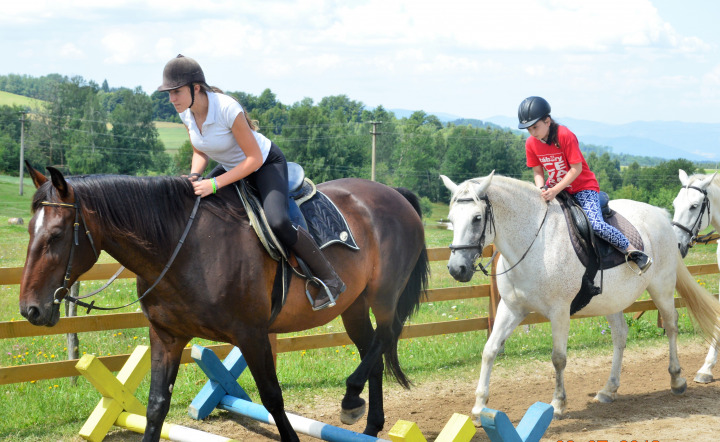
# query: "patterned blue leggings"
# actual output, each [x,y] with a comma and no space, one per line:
[590,202]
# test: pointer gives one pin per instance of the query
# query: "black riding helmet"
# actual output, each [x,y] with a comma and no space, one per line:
[531,110]
[179,72]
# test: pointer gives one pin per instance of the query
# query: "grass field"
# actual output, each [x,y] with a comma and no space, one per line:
[173,135]
[8,99]
[29,409]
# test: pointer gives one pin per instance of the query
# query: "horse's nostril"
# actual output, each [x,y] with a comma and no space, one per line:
[32,313]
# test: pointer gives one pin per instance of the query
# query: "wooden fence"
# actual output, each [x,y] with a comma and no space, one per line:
[119,321]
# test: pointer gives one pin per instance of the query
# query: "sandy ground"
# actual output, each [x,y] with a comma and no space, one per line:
[645,410]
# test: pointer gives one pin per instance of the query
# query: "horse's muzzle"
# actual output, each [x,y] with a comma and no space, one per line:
[42,315]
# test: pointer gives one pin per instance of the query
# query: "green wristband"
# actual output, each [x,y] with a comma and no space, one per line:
[214,184]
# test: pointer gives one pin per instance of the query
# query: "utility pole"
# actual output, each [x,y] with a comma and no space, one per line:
[22,148]
[374,132]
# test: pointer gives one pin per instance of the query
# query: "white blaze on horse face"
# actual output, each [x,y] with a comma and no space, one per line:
[39,221]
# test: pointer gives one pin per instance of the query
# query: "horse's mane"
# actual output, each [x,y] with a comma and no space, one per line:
[467,188]
[699,176]
[151,210]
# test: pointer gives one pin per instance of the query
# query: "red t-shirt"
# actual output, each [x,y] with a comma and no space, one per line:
[557,161]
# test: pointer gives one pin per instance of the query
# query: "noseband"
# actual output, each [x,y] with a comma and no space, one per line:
[63,291]
[487,216]
[695,228]
[480,244]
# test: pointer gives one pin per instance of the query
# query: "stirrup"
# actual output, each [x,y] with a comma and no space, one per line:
[322,286]
[637,269]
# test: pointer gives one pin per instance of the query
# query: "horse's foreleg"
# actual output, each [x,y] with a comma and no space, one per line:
[165,353]
[619,331]
[505,322]
[255,346]
[663,299]
[560,325]
[704,375]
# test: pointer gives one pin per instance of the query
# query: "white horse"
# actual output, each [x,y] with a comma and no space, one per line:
[539,272]
[697,206]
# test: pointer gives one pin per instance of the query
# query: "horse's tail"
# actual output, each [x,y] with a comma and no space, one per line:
[701,304]
[411,297]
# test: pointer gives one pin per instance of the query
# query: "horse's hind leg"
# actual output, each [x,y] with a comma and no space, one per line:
[359,328]
[505,322]
[665,302]
[619,332]
[165,352]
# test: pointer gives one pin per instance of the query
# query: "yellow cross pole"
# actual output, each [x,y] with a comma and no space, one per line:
[118,392]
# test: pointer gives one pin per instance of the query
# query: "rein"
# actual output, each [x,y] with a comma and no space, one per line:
[79,217]
[479,246]
[695,228]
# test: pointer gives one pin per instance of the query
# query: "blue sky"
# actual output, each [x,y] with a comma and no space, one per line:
[613,61]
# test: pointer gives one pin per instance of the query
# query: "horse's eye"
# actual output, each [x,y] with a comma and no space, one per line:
[54,237]
[477,218]
[694,206]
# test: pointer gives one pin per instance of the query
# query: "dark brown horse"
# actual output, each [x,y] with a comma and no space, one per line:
[219,286]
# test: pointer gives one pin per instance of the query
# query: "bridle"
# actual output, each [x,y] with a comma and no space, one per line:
[76,242]
[64,290]
[695,227]
[480,245]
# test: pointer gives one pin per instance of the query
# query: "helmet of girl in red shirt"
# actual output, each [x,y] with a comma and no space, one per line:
[531,110]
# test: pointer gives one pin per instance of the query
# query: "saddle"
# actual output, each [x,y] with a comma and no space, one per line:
[308,208]
[594,252]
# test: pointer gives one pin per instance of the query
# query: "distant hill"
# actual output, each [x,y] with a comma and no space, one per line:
[664,139]
[442,116]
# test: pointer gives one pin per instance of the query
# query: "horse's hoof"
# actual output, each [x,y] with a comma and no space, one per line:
[349,417]
[476,420]
[679,390]
[703,378]
[604,398]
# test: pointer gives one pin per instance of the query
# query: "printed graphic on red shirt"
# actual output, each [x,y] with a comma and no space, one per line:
[555,166]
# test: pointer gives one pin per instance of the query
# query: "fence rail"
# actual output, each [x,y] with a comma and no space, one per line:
[119,321]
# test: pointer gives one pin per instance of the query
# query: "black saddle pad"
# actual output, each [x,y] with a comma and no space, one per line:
[326,223]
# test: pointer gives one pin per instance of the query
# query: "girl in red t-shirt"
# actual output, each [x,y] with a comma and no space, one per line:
[555,149]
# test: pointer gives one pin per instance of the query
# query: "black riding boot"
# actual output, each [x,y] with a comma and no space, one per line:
[640,259]
[330,283]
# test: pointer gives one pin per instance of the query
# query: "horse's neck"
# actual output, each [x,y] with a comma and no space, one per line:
[519,213]
[713,192]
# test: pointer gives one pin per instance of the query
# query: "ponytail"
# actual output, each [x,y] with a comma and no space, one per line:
[206,88]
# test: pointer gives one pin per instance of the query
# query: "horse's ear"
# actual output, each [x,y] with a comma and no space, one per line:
[705,182]
[683,177]
[483,186]
[58,181]
[452,187]
[37,177]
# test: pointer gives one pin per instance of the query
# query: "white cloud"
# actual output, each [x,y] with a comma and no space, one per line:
[71,52]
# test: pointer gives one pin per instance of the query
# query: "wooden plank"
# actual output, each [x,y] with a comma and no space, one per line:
[13,275]
[76,324]
[456,293]
[704,269]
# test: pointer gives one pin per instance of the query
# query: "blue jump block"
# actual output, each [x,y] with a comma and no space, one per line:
[222,380]
[222,391]
[530,429]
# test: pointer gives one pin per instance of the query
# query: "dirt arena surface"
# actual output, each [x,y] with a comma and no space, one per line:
[645,410]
